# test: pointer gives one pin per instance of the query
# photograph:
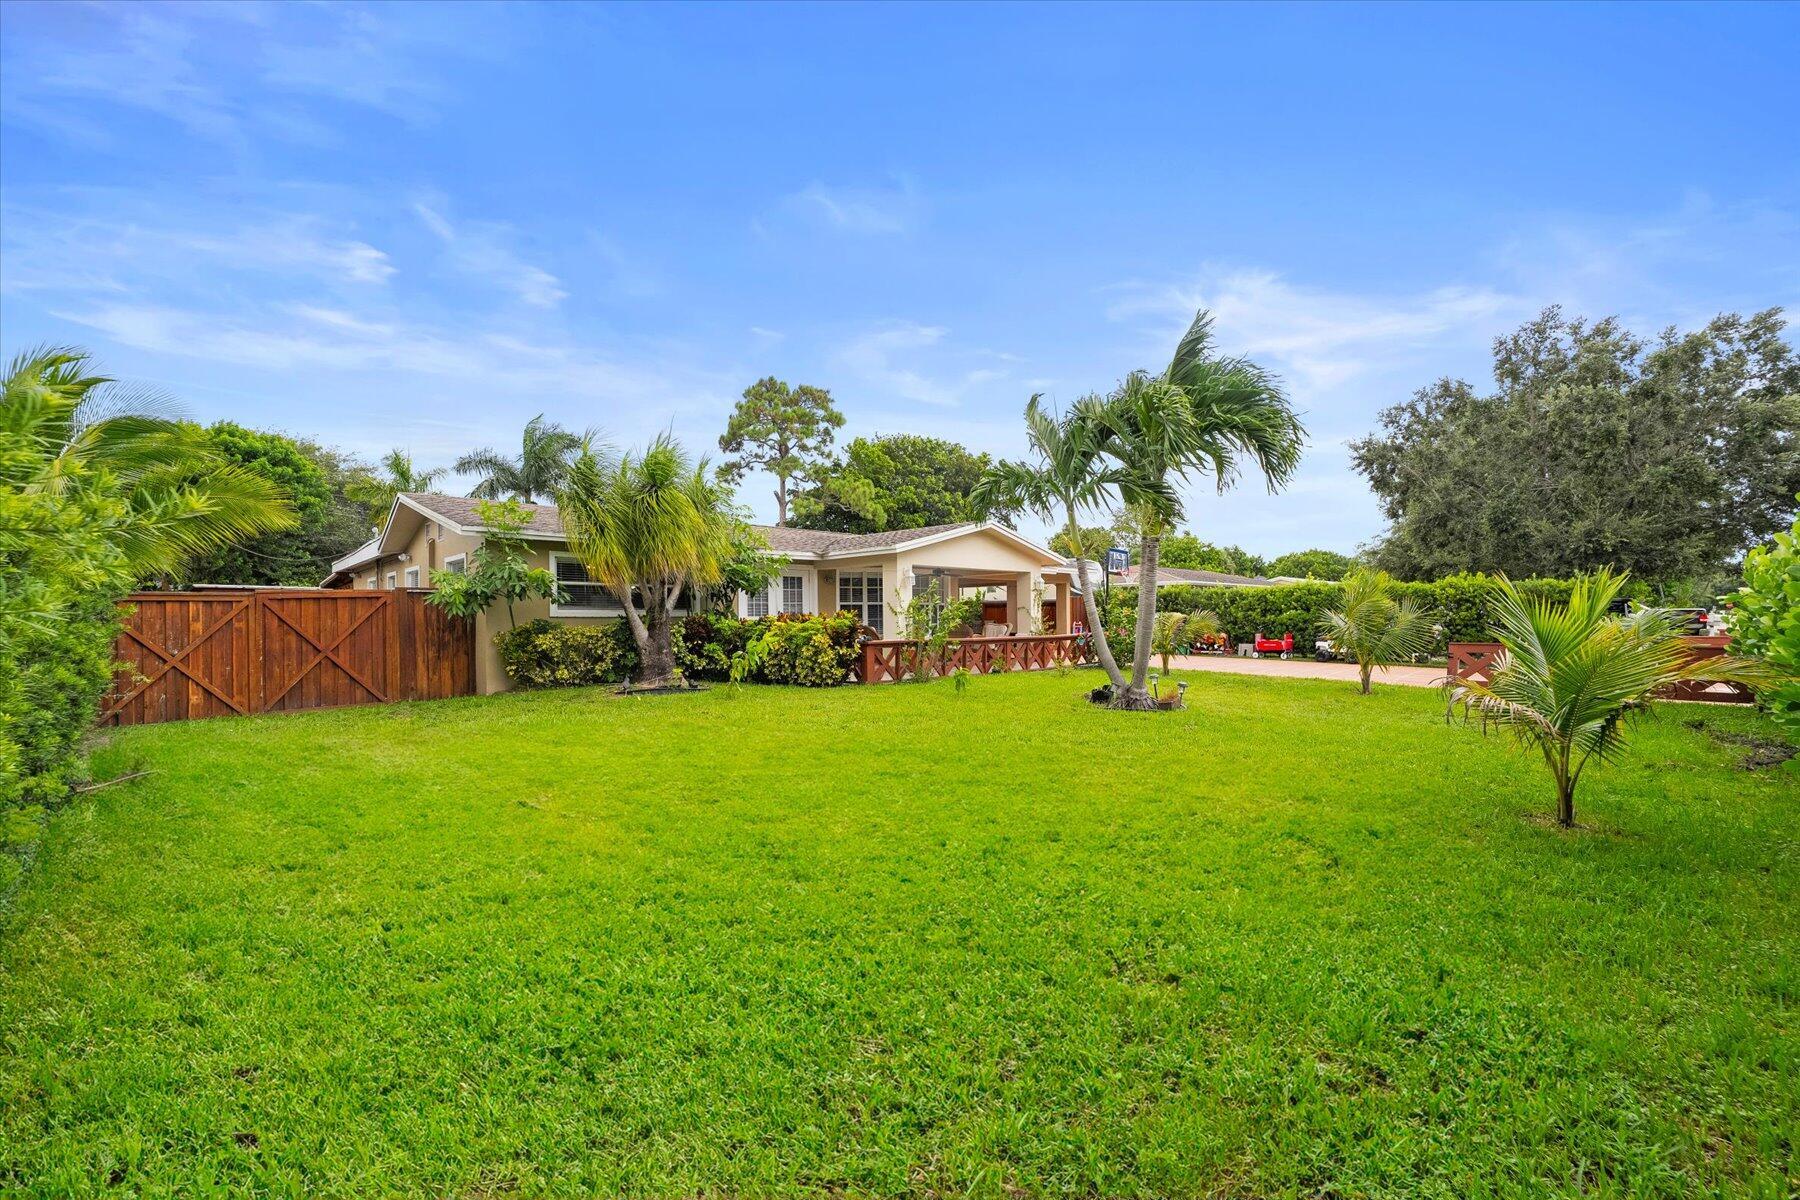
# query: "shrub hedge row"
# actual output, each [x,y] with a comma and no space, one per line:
[807,651]
[1459,603]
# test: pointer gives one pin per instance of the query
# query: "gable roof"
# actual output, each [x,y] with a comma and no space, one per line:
[544,523]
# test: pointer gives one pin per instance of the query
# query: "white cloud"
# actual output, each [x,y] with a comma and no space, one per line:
[479,249]
[887,210]
[872,356]
[1322,337]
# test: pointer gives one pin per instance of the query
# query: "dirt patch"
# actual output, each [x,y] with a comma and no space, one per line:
[1764,752]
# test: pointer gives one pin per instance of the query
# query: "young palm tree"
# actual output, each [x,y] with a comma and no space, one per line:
[69,436]
[1572,674]
[647,527]
[1175,631]
[539,469]
[1069,477]
[1373,628]
[376,492]
[1202,414]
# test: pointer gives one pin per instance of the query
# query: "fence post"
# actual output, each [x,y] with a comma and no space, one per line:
[257,667]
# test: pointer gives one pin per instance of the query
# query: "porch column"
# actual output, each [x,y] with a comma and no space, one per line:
[1065,604]
[1018,596]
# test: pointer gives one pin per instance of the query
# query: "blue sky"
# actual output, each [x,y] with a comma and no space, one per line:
[418,226]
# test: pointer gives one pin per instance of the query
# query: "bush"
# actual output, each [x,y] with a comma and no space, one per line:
[808,651]
[1765,619]
[53,674]
[1459,603]
[546,653]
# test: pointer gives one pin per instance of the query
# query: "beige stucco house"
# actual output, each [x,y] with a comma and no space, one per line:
[873,575]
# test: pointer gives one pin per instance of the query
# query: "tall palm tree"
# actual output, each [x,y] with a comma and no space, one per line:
[73,439]
[1372,627]
[538,470]
[376,492]
[1070,476]
[1202,414]
[647,527]
[1572,674]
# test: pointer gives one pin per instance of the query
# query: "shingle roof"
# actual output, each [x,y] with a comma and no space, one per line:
[1166,575]
[544,519]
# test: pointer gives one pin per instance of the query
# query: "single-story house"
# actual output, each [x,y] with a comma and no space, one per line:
[873,575]
[1184,577]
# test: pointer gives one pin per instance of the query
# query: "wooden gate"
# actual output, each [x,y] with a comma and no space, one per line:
[897,658]
[190,655]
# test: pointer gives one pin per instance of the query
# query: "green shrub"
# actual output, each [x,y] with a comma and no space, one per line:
[1765,619]
[545,653]
[53,674]
[807,651]
[1459,603]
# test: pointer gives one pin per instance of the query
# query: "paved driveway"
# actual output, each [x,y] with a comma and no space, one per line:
[1302,668]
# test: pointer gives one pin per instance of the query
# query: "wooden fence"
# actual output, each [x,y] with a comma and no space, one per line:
[1476,660]
[889,659]
[190,655]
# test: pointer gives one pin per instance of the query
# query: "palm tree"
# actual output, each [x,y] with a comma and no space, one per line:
[647,527]
[1177,630]
[1069,477]
[1572,674]
[377,492]
[79,441]
[539,469]
[1201,414]
[1374,628]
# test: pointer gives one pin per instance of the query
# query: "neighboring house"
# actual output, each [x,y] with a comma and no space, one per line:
[1183,577]
[873,575]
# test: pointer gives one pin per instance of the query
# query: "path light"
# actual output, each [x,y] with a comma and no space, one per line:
[1181,692]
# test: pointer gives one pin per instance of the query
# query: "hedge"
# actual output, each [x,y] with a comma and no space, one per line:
[807,651]
[1460,603]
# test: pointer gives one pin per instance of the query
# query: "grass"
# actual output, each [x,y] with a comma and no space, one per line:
[892,941]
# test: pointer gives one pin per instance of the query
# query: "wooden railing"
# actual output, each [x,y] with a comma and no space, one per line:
[888,659]
[1476,660]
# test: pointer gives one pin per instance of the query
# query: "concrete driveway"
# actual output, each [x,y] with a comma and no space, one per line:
[1300,668]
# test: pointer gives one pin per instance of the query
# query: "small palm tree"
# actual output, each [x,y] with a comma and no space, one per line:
[647,527]
[1572,674]
[1069,477]
[65,430]
[376,492]
[539,469]
[1375,629]
[1175,632]
[1202,414]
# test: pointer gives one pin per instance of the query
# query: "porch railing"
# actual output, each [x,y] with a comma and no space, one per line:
[888,659]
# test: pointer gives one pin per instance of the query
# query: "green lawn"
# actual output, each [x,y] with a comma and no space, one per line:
[892,941]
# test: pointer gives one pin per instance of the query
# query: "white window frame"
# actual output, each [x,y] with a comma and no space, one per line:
[374,581]
[578,610]
[393,580]
[781,586]
[412,577]
[457,564]
[862,608]
[753,599]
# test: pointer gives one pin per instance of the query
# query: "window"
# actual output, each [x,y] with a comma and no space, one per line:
[793,594]
[412,577]
[584,595]
[374,582]
[456,564]
[756,604]
[860,593]
[393,580]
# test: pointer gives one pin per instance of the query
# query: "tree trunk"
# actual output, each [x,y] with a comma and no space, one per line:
[1137,697]
[656,652]
[781,501]
[1367,670]
[1096,622]
[1565,803]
